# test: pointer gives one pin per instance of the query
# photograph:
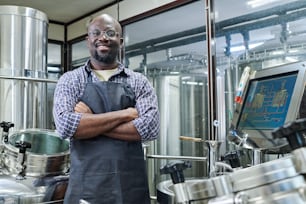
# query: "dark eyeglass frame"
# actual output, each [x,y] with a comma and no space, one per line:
[107,33]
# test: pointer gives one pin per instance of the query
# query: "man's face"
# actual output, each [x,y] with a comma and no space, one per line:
[103,41]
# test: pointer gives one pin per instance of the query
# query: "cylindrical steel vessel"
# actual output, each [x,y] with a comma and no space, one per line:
[23,67]
[47,155]
[32,190]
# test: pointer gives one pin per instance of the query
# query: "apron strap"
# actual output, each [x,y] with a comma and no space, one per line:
[89,77]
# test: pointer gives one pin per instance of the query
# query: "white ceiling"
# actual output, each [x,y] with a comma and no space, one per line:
[63,11]
[167,23]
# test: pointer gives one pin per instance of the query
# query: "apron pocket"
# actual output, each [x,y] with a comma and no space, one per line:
[103,188]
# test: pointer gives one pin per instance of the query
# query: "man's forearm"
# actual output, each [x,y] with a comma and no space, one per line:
[92,125]
[124,131]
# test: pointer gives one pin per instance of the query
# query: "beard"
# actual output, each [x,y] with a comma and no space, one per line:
[107,58]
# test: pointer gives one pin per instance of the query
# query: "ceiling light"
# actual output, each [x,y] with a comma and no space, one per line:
[291,59]
[242,47]
[258,3]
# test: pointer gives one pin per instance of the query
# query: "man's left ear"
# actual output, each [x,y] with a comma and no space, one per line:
[121,42]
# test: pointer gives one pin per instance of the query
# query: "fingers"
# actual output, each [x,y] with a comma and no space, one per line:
[132,112]
[81,107]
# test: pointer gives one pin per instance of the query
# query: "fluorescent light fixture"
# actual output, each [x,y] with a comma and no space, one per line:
[291,59]
[278,52]
[174,73]
[186,77]
[193,83]
[258,3]
[242,47]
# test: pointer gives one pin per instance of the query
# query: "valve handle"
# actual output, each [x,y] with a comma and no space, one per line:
[233,158]
[22,145]
[175,169]
[6,125]
[293,132]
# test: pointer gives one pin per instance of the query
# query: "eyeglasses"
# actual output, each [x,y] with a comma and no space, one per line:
[99,33]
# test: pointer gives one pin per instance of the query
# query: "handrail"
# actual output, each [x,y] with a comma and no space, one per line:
[29,79]
[150,156]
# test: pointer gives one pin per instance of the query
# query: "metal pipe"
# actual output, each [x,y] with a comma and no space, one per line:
[211,64]
[213,152]
[50,202]
[28,79]
[150,156]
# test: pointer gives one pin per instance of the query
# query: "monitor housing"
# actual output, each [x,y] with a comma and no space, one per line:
[271,98]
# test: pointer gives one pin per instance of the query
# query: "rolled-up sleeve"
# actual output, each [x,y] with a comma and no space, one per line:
[66,95]
[148,122]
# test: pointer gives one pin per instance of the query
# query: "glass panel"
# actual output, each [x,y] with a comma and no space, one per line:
[54,53]
[79,53]
[170,49]
[54,59]
[170,52]
[259,35]
[54,71]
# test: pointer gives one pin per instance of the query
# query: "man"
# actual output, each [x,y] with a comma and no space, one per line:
[107,161]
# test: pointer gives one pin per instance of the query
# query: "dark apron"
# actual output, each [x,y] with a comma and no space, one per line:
[105,170]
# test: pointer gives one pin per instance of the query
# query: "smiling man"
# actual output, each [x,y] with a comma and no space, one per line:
[107,111]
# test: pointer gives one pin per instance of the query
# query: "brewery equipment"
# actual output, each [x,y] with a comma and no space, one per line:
[33,159]
[272,99]
[23,67]
[33,166]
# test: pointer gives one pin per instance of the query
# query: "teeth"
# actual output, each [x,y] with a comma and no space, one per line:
[101,46]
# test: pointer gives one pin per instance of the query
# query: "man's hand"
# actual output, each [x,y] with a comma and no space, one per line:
[131,113]
[81,107]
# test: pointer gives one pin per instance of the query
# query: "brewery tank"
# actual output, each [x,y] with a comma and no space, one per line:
[23,67]
[181,87]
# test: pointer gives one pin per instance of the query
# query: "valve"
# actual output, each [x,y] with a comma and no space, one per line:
[233,158]
[21,167]
[6,127]
[175,169]
[293,132]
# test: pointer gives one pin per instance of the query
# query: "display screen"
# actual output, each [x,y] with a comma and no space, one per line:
[267,101]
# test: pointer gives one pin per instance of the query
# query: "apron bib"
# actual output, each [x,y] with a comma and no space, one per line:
[105,170]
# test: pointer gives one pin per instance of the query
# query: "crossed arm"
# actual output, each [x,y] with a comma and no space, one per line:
[116,124]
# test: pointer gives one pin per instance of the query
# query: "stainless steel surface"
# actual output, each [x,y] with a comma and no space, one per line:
[48,155]
[181,195]
[29,79]
[257,156]
[294,197]
[176,157]
[299,160]
[263,174]
[281,186]
[222,185]
[23,58]
[229,199]
[275,182]
[22,192]
[198,190]
[213,155]
[47,190]
[186,92]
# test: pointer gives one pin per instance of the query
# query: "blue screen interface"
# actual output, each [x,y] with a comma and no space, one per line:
[267,101]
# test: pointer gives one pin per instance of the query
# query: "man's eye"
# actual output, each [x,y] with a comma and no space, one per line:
[110,33]
[96,33]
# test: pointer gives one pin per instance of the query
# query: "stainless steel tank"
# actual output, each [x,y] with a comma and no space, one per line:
[46,154]
[181,88]
[23,67]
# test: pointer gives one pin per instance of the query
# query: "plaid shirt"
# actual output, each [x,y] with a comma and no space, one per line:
[70,88]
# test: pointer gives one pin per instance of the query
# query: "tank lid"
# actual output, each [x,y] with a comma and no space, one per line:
[23,11]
